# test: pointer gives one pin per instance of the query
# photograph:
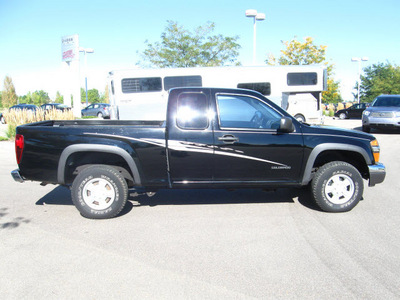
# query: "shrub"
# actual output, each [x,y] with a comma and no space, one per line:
[18,117]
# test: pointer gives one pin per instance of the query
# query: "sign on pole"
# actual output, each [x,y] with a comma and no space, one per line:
[70,55]
[70,48]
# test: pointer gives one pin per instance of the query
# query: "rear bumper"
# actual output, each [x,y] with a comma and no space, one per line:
[17,177]
[377,174]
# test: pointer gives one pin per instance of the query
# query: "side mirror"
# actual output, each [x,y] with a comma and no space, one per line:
[286,125]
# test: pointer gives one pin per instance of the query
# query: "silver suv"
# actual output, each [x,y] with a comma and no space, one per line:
[384,113]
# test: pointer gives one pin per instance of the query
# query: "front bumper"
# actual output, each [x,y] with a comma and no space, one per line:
[377,174]
[17,177]
[371,121]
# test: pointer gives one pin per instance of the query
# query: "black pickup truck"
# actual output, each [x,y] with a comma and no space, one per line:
[211,138]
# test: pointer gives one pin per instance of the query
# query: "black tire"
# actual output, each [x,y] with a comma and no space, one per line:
[100,115]
[300,118]
[366,129]
[2,120]
[337,187]
[99,192]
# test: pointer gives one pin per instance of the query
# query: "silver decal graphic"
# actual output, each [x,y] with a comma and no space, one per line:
[200,148]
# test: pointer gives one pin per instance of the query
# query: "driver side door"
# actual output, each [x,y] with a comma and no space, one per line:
[248,146]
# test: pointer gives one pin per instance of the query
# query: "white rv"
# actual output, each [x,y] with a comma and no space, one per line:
[141,94]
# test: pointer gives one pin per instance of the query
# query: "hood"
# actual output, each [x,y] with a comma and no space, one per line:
[331,130]
[383,108]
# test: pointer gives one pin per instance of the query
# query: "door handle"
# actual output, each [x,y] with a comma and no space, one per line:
[228,139]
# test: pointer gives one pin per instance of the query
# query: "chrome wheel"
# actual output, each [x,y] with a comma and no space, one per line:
[98,194]
[339,189]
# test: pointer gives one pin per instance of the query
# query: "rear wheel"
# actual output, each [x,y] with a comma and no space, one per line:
[100,115]
[99,192]
[337,187]
[300,118]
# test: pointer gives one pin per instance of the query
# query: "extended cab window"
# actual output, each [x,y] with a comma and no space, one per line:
[192,111]
[244,112]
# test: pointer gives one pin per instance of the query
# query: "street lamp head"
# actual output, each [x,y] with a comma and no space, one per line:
[86,50]
[260,17]
[364,58]
[355,59]
[251,13]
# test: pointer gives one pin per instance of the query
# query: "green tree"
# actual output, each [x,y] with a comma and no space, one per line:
[40,97]
[379,79]
[37,98]
[8,95]
[59,98]
[307,53]
[105,98]
[182,48]
[93,96]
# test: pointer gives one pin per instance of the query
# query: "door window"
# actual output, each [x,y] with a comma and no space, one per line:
[242,112]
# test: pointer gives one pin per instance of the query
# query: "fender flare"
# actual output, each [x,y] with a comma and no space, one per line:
[307,176]
[97,148]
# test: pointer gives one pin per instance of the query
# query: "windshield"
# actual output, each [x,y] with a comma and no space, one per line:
[386,101]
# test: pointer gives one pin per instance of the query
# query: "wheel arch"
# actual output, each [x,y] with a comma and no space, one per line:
[103,149]
[324,153]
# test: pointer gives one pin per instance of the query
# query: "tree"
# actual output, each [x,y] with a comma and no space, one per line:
[37,98]
[105,98]
[8,95]
[93,95]
[59,98]
[379,79]
[40,97]
[307,53]
[181,48]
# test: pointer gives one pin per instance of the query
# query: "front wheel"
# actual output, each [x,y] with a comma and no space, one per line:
[342,116]
[99,192]
[366,128]
[337,187]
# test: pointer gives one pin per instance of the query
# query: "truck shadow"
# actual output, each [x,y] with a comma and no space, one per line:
[62,196]
[222,196]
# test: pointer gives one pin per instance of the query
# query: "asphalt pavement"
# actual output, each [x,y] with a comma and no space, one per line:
[201,244]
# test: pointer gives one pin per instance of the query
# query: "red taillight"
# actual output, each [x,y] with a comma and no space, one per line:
[19,146]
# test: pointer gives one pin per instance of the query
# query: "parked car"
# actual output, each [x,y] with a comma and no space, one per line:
[29,107]
[57,106]
[384,113]
[22,106]
[355,111]
[101,110]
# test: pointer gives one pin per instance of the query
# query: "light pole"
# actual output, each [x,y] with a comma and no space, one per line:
[252,13]
[359,59]
[86,50]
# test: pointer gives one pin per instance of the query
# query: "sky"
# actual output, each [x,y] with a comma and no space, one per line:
[31,32]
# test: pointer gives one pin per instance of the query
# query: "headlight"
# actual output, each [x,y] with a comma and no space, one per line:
[366,113]
[375,150]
